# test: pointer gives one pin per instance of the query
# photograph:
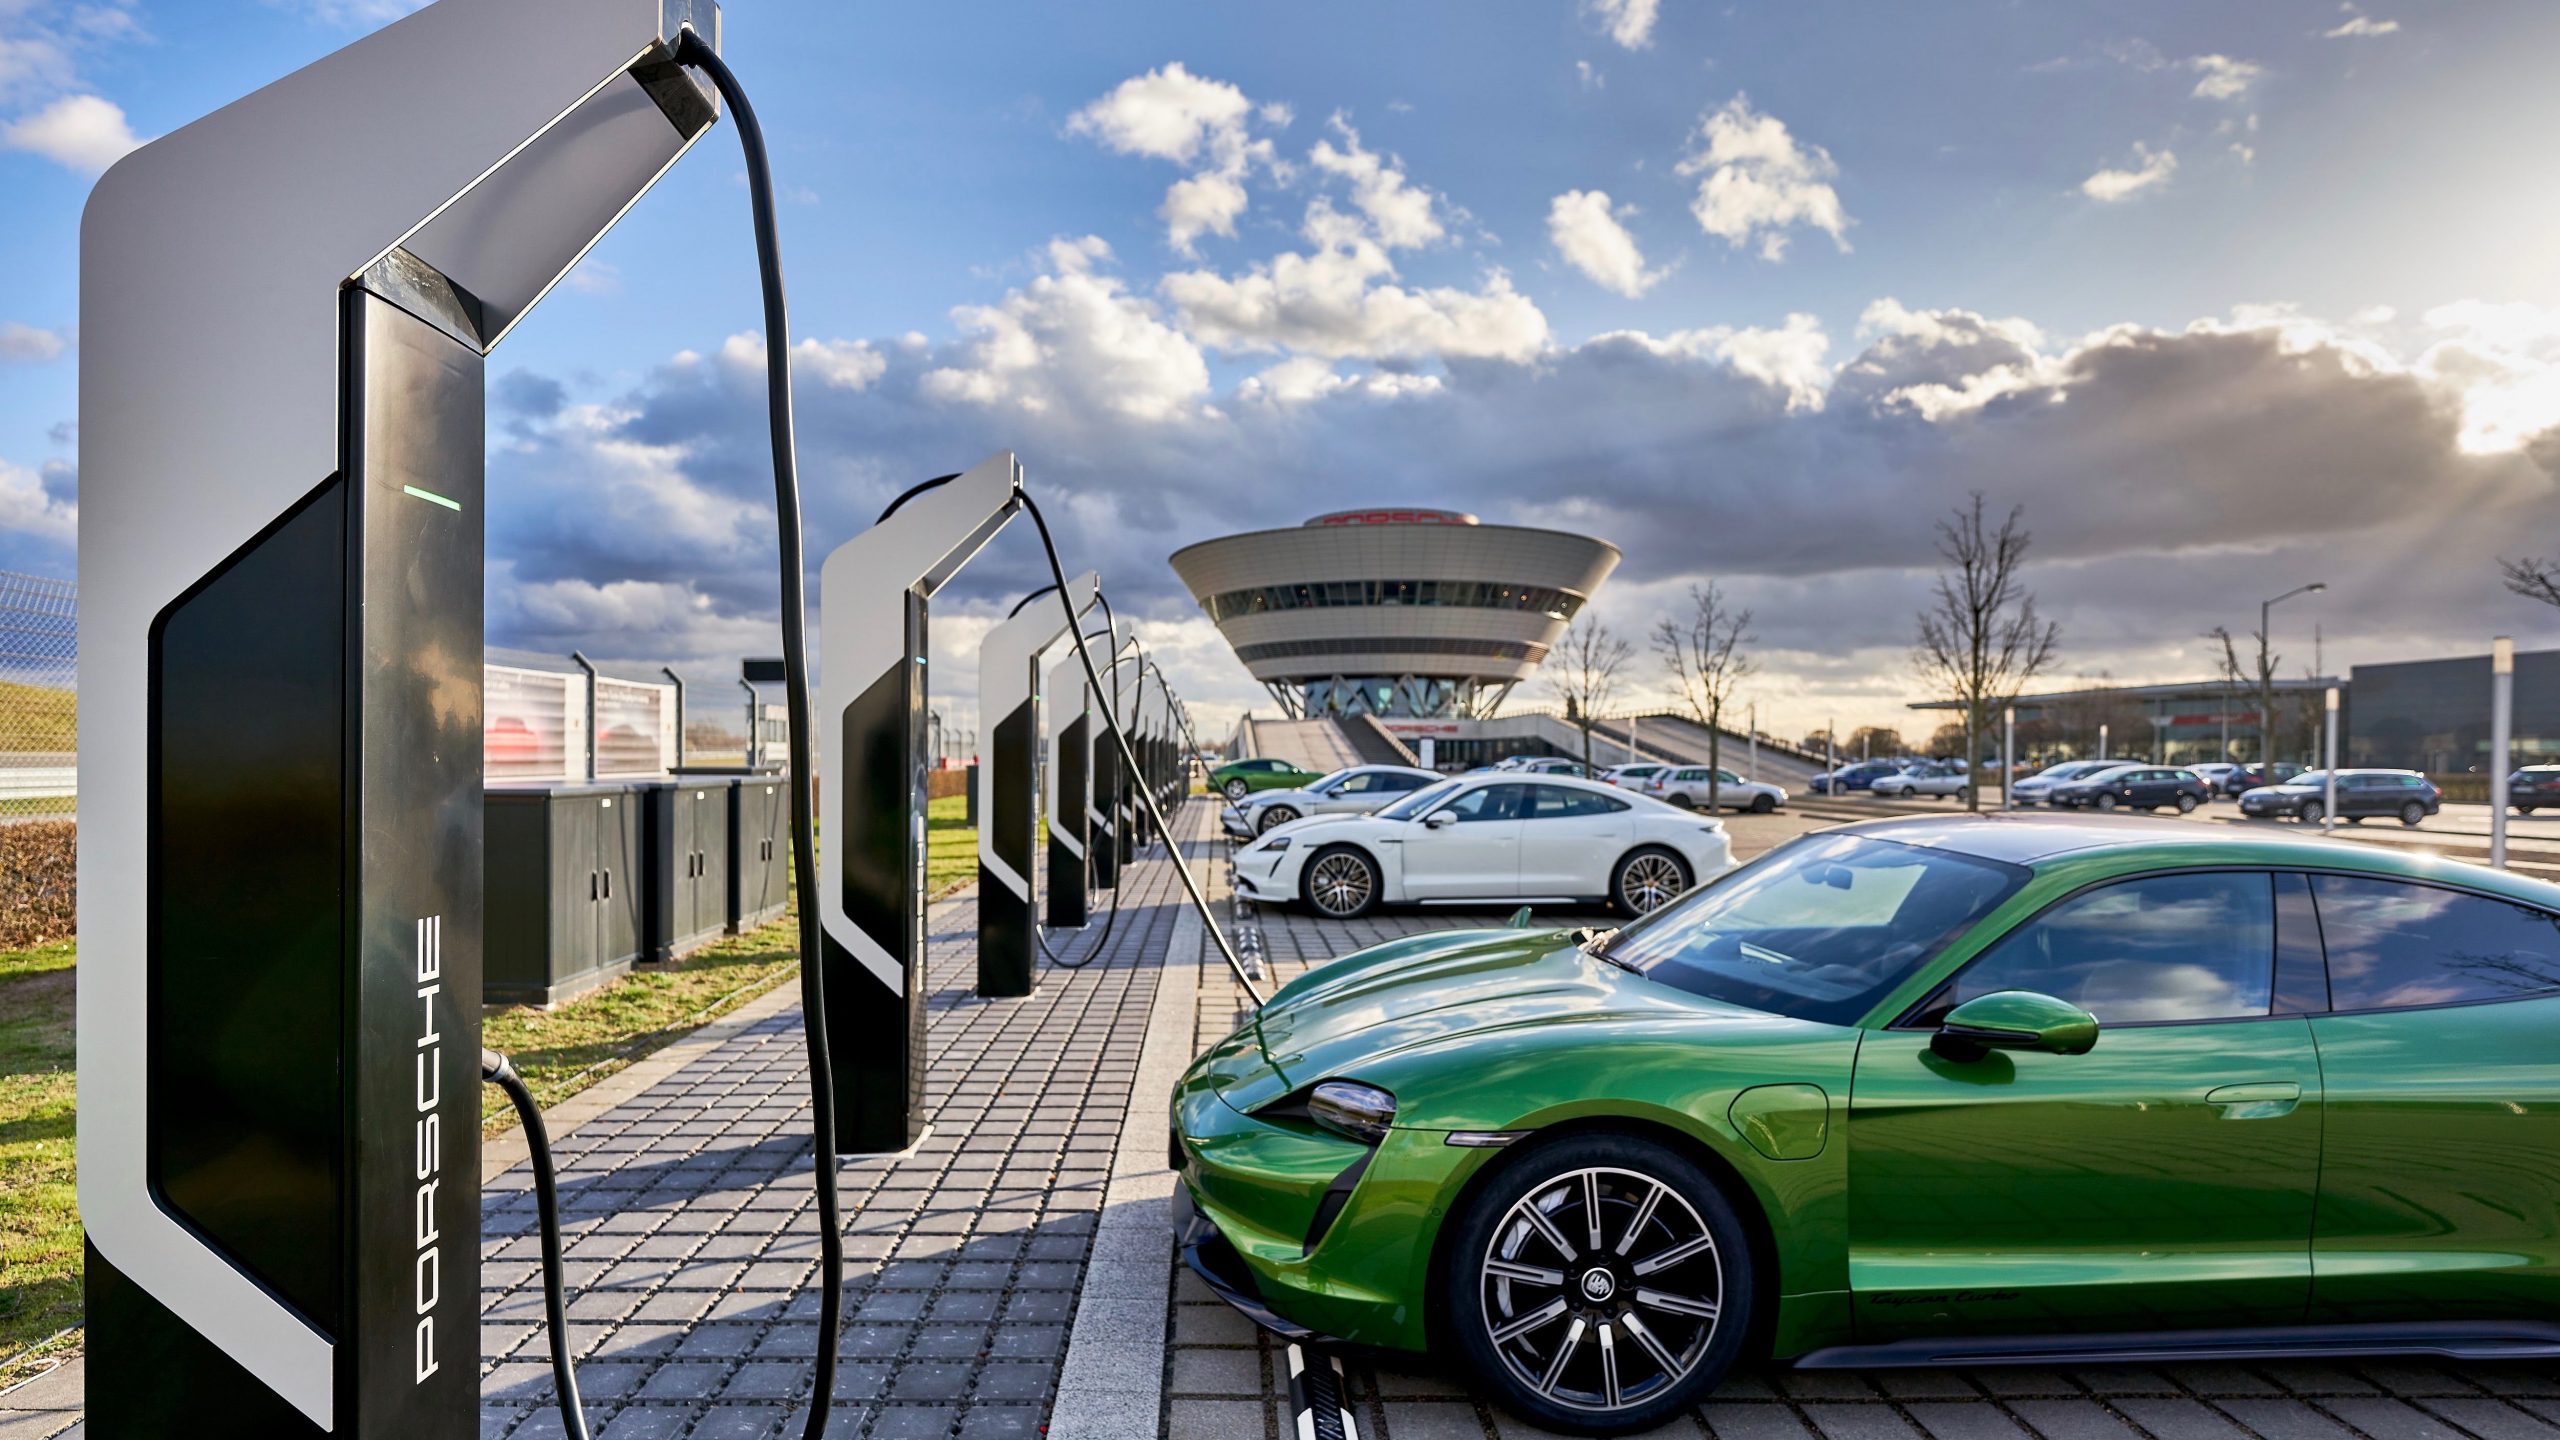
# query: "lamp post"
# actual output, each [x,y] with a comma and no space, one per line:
[2502,696]
[2329,774]
[1754,724]
[2102,739]
[2008,751]
[2267,679]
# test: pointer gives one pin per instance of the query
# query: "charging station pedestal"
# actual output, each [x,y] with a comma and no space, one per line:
[284,311]
[1008,820]
[876,592]
[1073,757]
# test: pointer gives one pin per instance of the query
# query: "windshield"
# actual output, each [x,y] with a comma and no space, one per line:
[1325,785]
[1419,801]
[1819,928]
[2309,780]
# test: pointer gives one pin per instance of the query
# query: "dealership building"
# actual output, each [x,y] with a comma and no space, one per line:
[1394,612]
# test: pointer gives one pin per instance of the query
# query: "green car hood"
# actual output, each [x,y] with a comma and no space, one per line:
[1477,1028]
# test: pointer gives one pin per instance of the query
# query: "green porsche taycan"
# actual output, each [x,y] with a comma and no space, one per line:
[1927,1091]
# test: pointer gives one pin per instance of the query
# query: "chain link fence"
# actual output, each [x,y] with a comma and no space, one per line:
[39,650]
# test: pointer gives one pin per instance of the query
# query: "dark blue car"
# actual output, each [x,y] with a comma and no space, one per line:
[1861,776]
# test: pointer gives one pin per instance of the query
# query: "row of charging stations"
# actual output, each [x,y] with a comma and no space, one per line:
[286,309]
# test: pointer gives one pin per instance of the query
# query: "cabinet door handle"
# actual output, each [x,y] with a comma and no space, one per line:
[591,886]
[608,884]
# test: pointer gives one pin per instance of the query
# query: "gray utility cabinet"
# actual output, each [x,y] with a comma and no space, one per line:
[685,830]
[759,851]
[564,890]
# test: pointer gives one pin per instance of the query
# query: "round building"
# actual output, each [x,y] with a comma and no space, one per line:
[1394,611]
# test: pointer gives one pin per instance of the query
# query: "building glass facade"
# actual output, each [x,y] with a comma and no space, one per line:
[2433,715]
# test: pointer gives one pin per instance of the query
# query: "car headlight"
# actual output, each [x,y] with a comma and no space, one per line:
[1352,1110]
[1273,844]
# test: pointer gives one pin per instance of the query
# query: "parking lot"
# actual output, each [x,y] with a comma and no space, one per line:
[1226,1379]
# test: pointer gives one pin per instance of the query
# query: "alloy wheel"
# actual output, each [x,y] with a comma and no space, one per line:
[1340,884]
[1275,815]
[1601,1289]
[1237,789]
[1650,881]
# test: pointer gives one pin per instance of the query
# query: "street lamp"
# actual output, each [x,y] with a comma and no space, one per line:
[2267,681]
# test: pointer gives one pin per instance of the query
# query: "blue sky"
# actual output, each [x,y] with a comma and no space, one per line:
[2224,296]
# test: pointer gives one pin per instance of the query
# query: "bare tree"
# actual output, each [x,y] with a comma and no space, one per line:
[1704,656]
[2265,682]
[1981,640]
[1583,671]
[2533,579]
[1877,740]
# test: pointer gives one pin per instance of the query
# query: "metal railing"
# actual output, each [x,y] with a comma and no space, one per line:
[39,694]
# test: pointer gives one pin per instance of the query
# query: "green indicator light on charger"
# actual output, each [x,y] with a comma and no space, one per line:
[431,497]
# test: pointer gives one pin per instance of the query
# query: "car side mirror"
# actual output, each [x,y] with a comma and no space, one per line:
[1440,819]
[2015,1020]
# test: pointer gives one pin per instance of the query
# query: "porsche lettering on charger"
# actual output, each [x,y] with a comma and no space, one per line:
[430,1142]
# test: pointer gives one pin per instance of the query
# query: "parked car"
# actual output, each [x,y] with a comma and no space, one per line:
[2216,774]
[1686,787]
[1544,765]
[2534,787]
[2250,777]
[1632,777]
[2403,794]
[1355,791]
[1238,778]
[2147,1078]
[2037,788]
[1853,777]
[1490,837]
[1933,779]
[2133,787]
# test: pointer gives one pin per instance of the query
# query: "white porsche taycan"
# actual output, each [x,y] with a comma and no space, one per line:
[1492,836]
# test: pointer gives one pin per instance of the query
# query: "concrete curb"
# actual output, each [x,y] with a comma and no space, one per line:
[1111,1385]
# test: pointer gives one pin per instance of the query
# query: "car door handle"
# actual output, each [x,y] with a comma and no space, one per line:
[2257,1100]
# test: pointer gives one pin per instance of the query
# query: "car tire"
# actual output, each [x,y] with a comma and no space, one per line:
[1237,789]
[2104,801]
[1505,1245]
[1683,801]
[1638,885]
[2310,812]
[2186,804]
[2524,809]
[2413,814]
[1341,883]
[1768,804]
[1272,816]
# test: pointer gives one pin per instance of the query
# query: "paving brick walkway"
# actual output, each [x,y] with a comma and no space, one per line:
[1227,1381]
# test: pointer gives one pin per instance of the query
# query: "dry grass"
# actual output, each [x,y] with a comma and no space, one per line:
[39,886]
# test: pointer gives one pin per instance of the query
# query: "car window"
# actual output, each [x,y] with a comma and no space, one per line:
[1397,782]
[1489,802]
[1553,802]
[1727,777]
[2393,945]
[1356,784]
[1820,928]
[1420,801]
[2162,948]
[1693,774]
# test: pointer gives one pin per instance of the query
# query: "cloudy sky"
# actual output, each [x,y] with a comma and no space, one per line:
[2228,298]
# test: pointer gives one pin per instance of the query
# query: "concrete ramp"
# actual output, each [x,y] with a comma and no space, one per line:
[1318,745]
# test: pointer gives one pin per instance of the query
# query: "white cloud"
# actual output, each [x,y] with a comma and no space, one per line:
[87,133]
[1629,22]
[367,13]
[594,277]
[1399,212]
[1336,301]
[2219,77]
[1789,360]
[28,342]
[840,364]
[1590,75]
[1302,379]
[1172,114]
[1760,181]
[2110,186]
[27,508]
[2360,27]
[1587,232]
[1073,342]
[2502,362]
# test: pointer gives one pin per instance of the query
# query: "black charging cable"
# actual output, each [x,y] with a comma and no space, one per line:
[1111,922]
[497,1070]
[1129,759]
[690,50]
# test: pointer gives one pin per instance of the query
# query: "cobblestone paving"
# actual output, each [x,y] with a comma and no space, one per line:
[695,1234]
[1226,1380]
